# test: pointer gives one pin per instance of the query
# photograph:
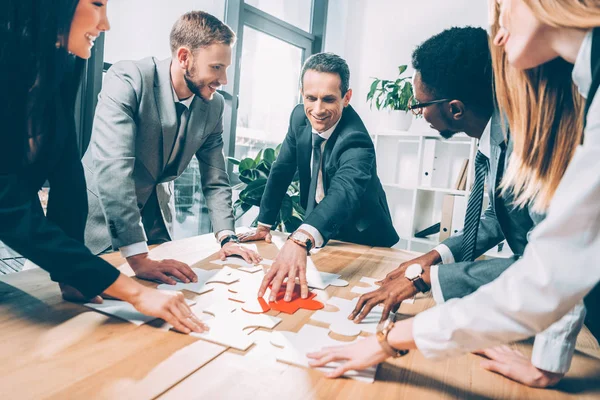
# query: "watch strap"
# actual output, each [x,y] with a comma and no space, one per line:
[420,285]
[229,238]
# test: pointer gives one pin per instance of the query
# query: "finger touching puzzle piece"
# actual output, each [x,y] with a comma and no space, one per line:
[240,262]
[124,310]
[225,275]
[339,323]
[309,338]
[372,287]
[228,326]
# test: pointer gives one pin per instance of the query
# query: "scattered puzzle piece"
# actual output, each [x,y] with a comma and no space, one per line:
[227,326]
[320,280]
[124,310]
[294,347]
[296,303]
[241,262]
[224,275]
[251,270]
[339,323]
[372,287]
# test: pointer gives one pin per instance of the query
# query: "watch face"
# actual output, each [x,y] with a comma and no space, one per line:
[300,236]
[413,271]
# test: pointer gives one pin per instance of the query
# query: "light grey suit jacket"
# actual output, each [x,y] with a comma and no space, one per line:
[134,130]
[500,221]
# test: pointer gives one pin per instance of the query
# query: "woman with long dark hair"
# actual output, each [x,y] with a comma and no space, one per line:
[43,44]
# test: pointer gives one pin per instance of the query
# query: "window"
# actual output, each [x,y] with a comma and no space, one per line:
[295,12]
[269,90]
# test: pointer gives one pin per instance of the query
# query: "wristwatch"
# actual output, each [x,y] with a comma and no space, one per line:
[414,274]
[302,239]
[229,238]
[383,329]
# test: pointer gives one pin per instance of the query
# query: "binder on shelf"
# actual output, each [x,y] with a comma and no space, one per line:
[458,214]
[447,215]
[461,180]
[428,161]
[432,230]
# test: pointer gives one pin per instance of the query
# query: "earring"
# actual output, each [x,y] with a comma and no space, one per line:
[58,44]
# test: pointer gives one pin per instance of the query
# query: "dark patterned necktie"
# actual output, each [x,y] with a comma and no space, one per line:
[316,167]
[473,214]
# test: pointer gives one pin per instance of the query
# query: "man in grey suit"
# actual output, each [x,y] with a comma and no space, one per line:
[152,118]
[457,96]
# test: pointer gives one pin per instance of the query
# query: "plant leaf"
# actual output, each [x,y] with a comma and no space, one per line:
[234,161]
[246,163]
[401,69]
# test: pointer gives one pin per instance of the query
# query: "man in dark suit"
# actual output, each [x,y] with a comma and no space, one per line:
[329,146]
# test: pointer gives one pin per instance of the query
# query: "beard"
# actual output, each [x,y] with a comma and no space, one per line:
[195,88]
[447,134]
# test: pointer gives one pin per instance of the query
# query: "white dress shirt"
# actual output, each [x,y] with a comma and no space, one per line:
[320,191]
[558,268]
[142,247]
[485,147]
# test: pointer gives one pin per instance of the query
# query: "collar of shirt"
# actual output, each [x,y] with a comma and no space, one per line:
[485,141]
[582,71]
[186,102]
[327,134]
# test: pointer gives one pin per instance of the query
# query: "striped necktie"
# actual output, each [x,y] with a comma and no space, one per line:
[474,206]
[316,167]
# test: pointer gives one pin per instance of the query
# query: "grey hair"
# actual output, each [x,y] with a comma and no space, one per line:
[328,62]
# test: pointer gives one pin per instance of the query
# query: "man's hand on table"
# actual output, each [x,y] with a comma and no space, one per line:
[426,260]
[289,263]
[391,294]
[161,270]
[260,233]
[235,249]
[514,365]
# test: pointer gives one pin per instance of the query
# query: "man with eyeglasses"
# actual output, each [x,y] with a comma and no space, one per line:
[454,93]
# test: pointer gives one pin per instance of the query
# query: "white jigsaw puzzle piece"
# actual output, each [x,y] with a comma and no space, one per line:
[339,323]
[228,325]
[309,338]
[320,280]
[224,275]
[241,262]
[372,286]
[124,310]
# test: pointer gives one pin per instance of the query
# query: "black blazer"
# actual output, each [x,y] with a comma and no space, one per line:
[54,242]
[355,207]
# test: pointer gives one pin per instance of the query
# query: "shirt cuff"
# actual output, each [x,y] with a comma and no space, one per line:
[222,234]
[436,289]
[267,225]
[133,249]
[445,253]
[314,233]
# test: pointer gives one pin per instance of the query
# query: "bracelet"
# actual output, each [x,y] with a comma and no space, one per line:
[229,238]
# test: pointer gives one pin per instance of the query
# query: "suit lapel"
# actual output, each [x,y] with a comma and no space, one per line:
[163,92]
[496,140]
[304,153]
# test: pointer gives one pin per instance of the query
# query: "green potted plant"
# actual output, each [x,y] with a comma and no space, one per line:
[253,174]
[393,95]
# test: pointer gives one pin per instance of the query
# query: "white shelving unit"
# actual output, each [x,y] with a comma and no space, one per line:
[414,196]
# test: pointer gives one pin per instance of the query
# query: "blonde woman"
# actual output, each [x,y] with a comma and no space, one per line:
[559,266]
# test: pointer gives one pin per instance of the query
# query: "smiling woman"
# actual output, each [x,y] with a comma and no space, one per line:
[88,22]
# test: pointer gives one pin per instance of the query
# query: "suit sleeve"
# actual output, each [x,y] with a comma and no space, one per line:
[215,181]
[113,152]
[489,234]
[55,243]
[348,184]
[282,173]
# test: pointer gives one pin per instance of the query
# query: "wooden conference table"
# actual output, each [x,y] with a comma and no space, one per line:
[50,348]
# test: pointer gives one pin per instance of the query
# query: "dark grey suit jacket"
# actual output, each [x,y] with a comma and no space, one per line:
[134,129]
[500,221]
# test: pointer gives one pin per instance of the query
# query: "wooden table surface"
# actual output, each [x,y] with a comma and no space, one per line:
[53,349]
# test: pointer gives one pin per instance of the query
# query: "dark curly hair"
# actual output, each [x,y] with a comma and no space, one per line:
[456,64]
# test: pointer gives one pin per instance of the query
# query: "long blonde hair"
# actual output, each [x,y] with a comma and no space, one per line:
[543,107]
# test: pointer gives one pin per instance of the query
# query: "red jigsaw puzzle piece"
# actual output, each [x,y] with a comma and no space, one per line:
[297,302]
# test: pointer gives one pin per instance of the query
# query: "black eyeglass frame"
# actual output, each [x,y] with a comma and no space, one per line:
[417,109]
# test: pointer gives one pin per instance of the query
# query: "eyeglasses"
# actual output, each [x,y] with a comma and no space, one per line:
[417,108]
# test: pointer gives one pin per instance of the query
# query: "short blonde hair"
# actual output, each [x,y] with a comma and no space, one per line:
[197,29]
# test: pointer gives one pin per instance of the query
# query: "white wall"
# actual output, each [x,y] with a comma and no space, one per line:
[376,36]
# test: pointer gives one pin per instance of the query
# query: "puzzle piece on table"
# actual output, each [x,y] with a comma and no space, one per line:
[372,287]
[320,280]
[124,310]
[309,338]
[228,325]
[296,303]
[339,323]
[224,275]
[252,269]
[240,262]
